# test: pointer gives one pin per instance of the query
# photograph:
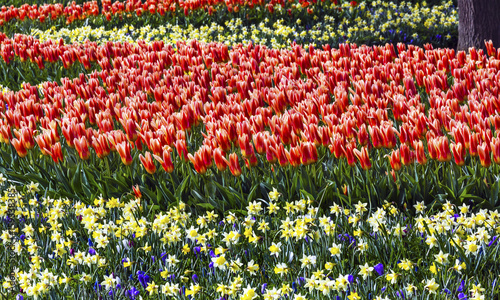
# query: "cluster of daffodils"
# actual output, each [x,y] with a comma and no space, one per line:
[275,249]
[377,22]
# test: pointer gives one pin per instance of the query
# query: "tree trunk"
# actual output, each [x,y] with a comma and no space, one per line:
[479,20]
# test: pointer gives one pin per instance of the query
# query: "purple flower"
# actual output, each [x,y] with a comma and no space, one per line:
[132,293]
[263,288]
[195,278]
[301,280]
[143,278]
[91,251]
[461,287]
[19,297]
[462,296]
[350,278]
[163,256]
[22,237]
[72,252]
[493,241]
[379,268]
[211,265]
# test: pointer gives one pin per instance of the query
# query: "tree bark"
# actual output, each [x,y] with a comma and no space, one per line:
[478,20]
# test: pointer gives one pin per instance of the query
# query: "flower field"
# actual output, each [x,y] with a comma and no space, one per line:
[246,150]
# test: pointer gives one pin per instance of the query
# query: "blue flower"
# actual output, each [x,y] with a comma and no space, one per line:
[379,268]
[132,293]
[163,256]
[92,251]
[19,297]
[462,296]
[90,243]
[350,278]
[263,288]
[493,241]
[461,287]
[195,278]
[143,278]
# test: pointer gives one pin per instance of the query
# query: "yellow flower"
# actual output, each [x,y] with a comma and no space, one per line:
[281,269]
[152,288]
[432,286]
[433,269]
[274,195]
[186,249]
[353,296]
[275,249]
[219,262]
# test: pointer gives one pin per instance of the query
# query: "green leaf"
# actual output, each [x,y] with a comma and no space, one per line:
[494,194]
[253,192]
[181,188]
[206,206]
[228,196]
[306,195]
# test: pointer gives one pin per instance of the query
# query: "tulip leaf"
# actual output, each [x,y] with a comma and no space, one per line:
[494,194]
[229,197]
[252,193]
[181,188]
[166,193]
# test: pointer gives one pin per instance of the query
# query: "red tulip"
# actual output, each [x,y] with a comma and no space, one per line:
[181,147]
[123,149]
[219,158]
[197,161]
[56,152]
[407,156]
[364,158]
[166,160]
[495,145]
[420,152]
[19,146]
[101,146]
[484,154]
[395,160]
[82,147]
[148,163]
[137,191]
[234,165]
[459,153]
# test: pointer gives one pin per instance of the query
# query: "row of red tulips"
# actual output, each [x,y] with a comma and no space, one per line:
[109,9]
[281,104]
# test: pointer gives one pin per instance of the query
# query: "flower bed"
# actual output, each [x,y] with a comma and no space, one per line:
[276,249]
